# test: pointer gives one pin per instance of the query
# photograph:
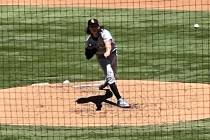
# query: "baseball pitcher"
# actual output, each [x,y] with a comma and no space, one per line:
[100,43]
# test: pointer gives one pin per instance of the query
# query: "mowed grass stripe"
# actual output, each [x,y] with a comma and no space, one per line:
[193,130]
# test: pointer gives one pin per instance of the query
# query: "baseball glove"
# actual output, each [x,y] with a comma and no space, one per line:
[90,51]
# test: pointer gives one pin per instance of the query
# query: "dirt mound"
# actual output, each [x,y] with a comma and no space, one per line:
[152,103]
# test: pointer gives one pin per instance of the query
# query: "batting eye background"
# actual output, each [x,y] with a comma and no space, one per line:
[163,70]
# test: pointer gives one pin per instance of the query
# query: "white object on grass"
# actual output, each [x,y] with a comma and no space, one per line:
[196,25]
[66,82]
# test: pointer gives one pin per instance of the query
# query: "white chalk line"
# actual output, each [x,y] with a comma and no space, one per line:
[87,85]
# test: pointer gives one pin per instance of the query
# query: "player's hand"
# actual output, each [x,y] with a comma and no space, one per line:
[106,54]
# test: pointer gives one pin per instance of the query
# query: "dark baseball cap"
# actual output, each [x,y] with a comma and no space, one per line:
[93,22]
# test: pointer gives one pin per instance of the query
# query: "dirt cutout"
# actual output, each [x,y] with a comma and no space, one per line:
[192,5]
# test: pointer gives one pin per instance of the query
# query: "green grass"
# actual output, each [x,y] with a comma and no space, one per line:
[40,44]
[183,131]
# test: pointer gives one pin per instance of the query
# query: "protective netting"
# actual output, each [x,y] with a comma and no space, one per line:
[152,56]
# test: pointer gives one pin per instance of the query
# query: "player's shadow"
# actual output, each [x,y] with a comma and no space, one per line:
[98,100]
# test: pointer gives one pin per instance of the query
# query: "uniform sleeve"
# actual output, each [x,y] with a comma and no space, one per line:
[106,35]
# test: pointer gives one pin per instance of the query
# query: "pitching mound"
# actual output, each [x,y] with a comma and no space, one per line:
[151,103]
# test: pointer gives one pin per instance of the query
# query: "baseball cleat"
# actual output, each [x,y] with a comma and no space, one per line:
[102,86]
[122,103]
